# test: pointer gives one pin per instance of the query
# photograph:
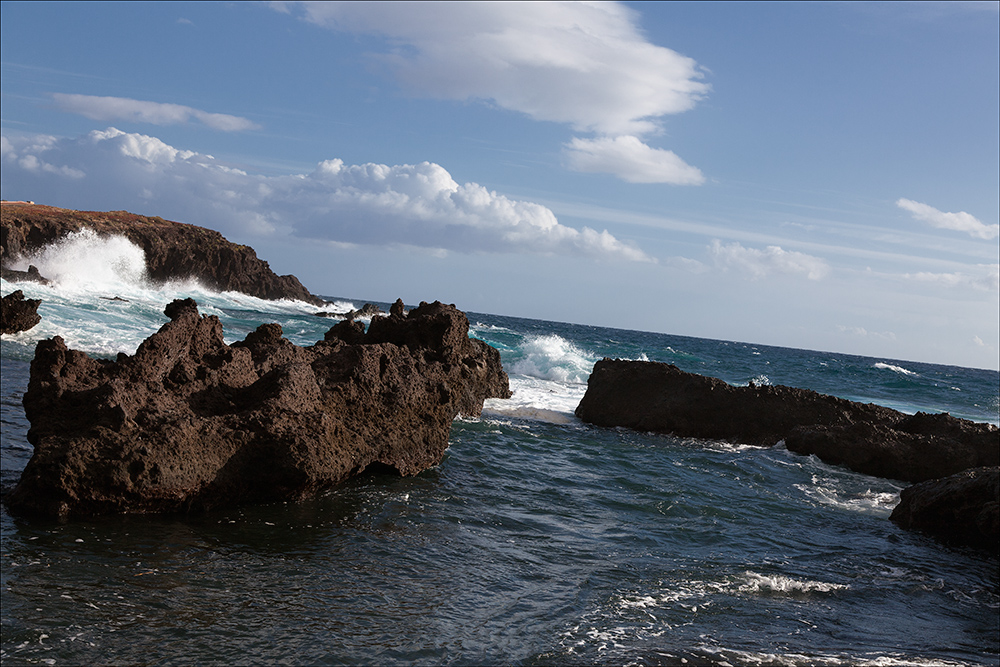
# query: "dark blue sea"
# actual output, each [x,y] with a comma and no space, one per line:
[539,540]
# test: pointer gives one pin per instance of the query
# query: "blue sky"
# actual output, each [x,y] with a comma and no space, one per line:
[812,175]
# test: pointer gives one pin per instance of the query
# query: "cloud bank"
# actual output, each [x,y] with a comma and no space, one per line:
[141,111]
[587,65]
[375,204]
[959,222]
[760,263]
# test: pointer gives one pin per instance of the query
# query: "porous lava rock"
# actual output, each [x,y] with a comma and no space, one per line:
[173,250]
[189,423]
[875,440]
[960,509]
[18,314]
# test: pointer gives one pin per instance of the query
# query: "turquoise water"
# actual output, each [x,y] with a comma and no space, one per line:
[538,540]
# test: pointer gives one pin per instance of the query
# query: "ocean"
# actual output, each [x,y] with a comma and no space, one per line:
[539,540]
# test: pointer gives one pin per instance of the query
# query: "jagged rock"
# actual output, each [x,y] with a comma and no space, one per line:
[18,314]
[961,509]
[190,423]
[31,275]
[652,396]
[173,250]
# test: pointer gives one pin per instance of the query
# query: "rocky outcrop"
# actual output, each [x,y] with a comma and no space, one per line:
[31,275]
[190,423]
[912,448]
[871,439]
[961,509]
[18,314]
[173,250]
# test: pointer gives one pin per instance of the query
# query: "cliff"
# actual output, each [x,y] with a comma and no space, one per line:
[173,249]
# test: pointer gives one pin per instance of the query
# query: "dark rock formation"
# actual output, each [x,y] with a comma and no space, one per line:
[173,250]
[960,509]
[18,314]
[871,439]
[913,448]
[190,423]
[32,275]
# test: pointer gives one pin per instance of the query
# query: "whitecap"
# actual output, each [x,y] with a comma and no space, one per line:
[895,369]
[552,357]
[755,583]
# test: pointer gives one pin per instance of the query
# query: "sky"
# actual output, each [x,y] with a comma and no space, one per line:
[812,175]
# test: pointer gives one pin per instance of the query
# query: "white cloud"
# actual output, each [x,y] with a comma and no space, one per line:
[982,277]
[584,64]
[156,113]
[773,259]
[960,222]
[375,204]
[631,160]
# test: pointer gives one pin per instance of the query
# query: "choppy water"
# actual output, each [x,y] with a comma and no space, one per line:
[538,540]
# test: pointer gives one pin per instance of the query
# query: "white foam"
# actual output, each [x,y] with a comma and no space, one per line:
[83,260]
[755,583]
[826,492]
[538,399]
[895,369]
[552,357]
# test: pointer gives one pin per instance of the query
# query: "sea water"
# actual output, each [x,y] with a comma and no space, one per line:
[538,540]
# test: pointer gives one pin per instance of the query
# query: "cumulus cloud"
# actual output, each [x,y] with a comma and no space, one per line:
[773,259]
[418,205]
[960,222]
[631,160]
[584,64]
[141,111]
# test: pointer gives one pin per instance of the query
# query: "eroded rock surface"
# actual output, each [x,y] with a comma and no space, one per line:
[190,423]
[652,396]
[18,314]
[961,509]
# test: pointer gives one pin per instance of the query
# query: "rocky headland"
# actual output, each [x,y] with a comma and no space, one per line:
[173,249]
[867,438]
[189,423]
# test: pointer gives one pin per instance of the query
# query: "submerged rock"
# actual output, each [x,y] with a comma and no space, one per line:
[190,423]
[18,314]
[959,509]
[652,396]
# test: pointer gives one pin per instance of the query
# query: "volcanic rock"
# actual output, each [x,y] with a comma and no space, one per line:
[652,396]
[960,509]
[173,250]
[912,448]
[189,423]
[18,314]
[31,275]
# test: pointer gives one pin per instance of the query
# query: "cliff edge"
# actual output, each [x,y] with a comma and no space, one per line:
[174,250]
